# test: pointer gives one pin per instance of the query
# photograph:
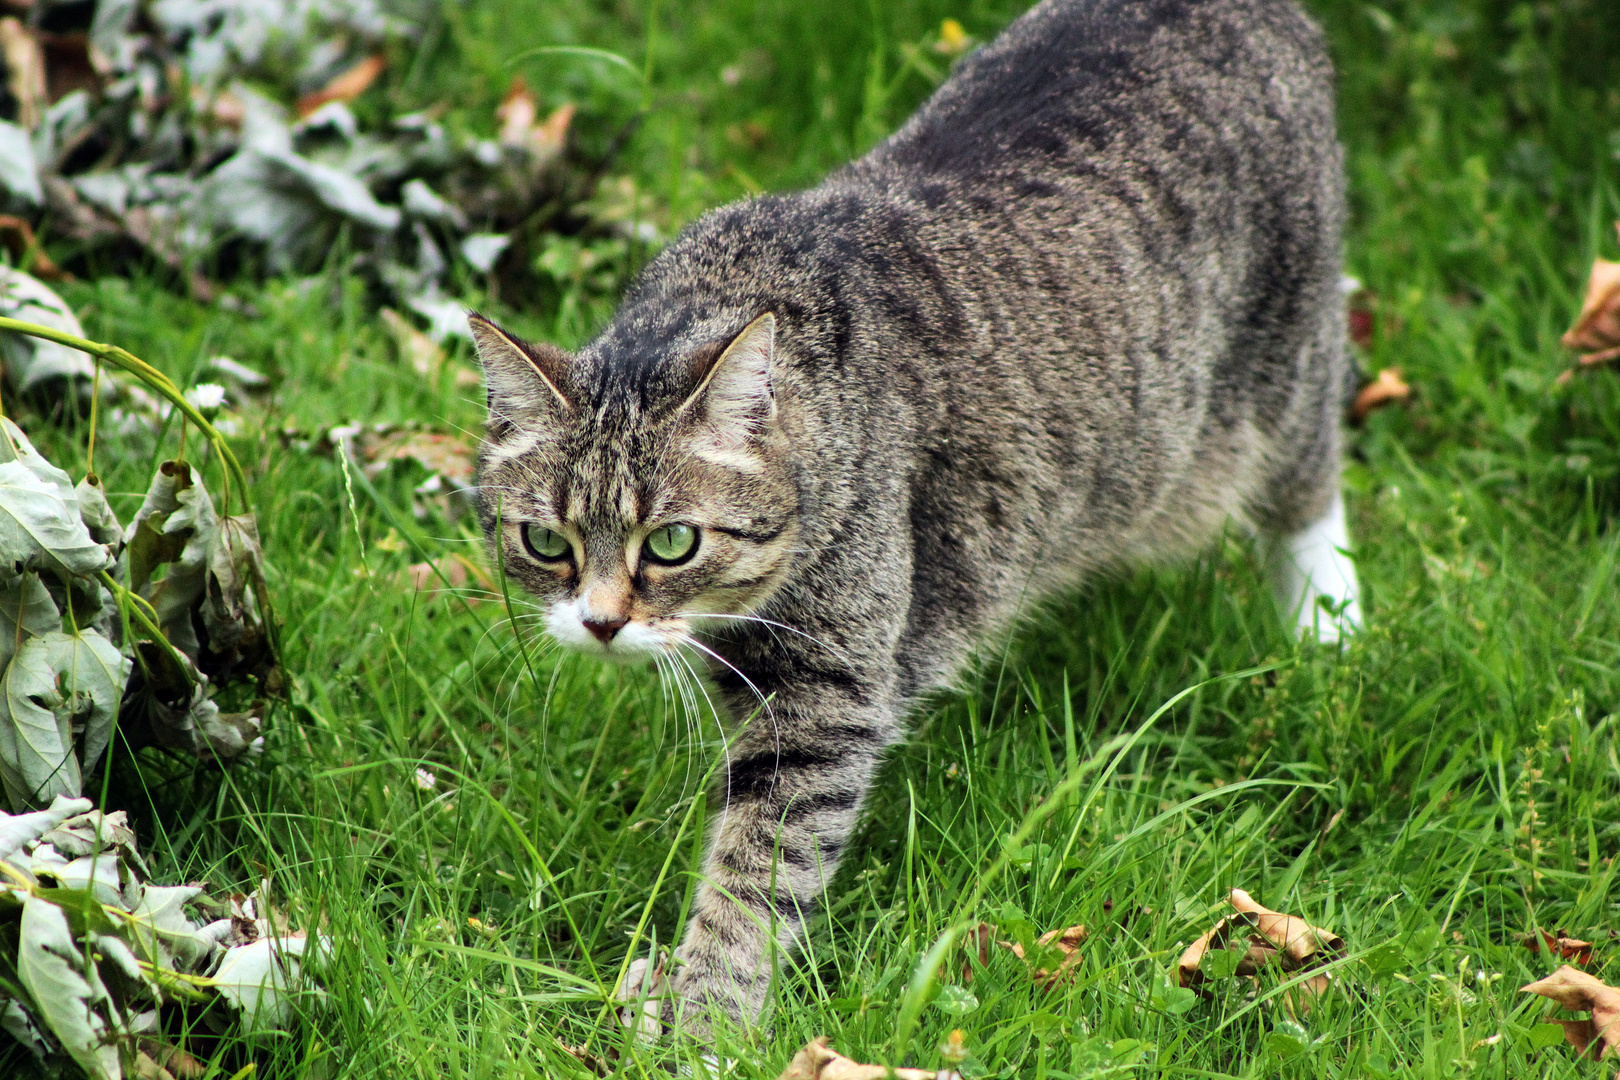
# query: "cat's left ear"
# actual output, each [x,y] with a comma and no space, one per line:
[526,382]
[734,388]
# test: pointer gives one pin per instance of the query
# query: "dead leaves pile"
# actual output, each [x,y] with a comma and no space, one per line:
[1276,940]
[243,133]
[94,952]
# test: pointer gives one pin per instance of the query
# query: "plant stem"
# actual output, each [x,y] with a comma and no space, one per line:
[152,377]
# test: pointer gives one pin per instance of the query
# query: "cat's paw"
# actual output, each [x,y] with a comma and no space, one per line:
[647,999]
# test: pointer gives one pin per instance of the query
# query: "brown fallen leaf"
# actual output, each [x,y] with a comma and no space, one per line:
[418,350]
[172,1060]
[346,85]
[1283,941]
[1386,388]
[521,128]
[1568,948]
[1596,333]
[1298,941]
[1597,327]
[1576,990]
[818,1061]
[1066,941]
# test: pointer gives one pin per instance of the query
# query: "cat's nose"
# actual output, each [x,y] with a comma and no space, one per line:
[604,629]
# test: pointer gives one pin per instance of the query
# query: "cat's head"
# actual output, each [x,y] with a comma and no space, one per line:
[633,506]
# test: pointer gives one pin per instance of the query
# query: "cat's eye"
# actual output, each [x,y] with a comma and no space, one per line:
[545,544]
[670,544]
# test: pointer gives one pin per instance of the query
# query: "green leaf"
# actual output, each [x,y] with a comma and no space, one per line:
[55,683]
[36,731]
[1545,1035]
[230,617]
[26,610]
[256,978]
[1385,961]
[19,829]
[96,514]
[40,524]
[177,525]
[30,361]
[1220,963]
[955,1000]
[93,670]
[68,997]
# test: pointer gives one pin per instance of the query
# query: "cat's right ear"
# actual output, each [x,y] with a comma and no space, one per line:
[523,379]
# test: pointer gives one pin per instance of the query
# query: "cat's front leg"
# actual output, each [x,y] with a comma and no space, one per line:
[796,778]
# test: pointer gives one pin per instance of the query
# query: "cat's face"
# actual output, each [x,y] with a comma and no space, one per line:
[633,516]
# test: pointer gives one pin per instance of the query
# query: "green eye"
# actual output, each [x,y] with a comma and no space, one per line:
[543,543]
[671,544]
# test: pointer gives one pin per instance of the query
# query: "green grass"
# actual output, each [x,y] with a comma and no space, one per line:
[1448,783]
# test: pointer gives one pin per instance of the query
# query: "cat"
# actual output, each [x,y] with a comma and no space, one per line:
[1081,311]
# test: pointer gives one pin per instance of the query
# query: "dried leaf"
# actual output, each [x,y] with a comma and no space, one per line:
[591,1061]
[176,525]
[1300,944]
[230,615]
[641,992]
[40,526]
[91,674]
[26,609]
[451,456]
[1383,390]
[1283,941]
[19,174]
[1562,946]
[346,85]
[1576,990]
[1597,327]
[1066,942]
[977,941]
[818,1061]
[518,114]
[37,761]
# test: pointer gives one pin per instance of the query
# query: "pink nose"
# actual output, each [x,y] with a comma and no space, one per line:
[604,629]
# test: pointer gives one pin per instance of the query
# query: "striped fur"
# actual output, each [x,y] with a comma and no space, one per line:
[1078,313]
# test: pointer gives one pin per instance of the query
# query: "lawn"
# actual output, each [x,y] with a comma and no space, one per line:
[1439,789]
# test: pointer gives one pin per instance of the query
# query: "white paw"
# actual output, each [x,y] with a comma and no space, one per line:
[643,991]
[1315,580]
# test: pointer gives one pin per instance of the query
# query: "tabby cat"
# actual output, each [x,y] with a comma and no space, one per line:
[1082,310]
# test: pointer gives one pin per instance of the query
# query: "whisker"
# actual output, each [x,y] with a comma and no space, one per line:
[764,622]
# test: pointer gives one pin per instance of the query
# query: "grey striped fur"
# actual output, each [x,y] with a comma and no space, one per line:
[1078,313]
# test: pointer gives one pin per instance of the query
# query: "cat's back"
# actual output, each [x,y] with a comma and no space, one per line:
[1080,81]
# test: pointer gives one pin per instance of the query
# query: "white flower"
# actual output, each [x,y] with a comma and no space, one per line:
[206,398]
[426,780]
